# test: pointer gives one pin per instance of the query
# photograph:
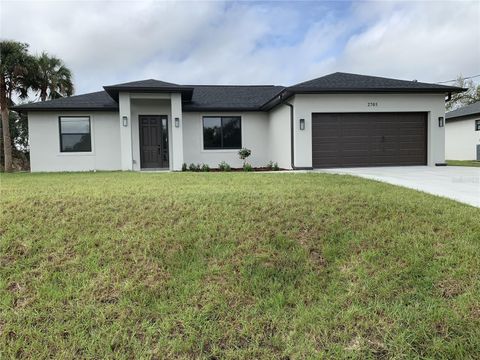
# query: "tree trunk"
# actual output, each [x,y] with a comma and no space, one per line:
[43,94]
[7,142]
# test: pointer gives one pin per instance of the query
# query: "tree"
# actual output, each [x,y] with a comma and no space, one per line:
[19,141]
[472,95]
[15,68]
[244,153]
[53,79]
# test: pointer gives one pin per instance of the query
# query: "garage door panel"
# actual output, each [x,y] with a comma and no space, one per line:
[352,146]
[368,139]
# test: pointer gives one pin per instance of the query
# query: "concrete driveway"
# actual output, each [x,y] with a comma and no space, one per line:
[459,183]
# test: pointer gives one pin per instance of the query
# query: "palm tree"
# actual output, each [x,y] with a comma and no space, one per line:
[16,66]
[53,79]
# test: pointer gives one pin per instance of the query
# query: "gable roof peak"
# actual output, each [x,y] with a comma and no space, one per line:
[143,83]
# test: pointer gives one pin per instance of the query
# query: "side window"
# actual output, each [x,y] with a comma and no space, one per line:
[75,134]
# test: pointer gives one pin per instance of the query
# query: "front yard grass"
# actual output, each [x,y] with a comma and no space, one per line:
[233,265]
[473,163]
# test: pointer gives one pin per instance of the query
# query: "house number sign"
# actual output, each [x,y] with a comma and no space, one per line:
[372,104]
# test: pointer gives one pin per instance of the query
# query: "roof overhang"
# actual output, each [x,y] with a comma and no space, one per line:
[24,109]
[186,91]
[305,90]
[290,91]
[462,117]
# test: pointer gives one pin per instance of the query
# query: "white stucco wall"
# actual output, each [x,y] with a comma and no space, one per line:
[267,134]
[279,136]
[255,133]
[44,135]
[306,104]
[176,143]
[461,139]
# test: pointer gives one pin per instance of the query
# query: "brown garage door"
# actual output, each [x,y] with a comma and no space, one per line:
[369,139]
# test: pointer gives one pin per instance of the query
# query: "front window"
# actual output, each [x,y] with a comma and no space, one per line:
[477,125]
[75,134]
[222,132]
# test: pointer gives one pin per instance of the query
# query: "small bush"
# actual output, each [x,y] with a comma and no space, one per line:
[244,153]
[184,167]
[247,167]
[205,168]
[193,167]
[223,166]
[272,166]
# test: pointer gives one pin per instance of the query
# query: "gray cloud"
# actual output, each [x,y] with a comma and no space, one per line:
[105,42]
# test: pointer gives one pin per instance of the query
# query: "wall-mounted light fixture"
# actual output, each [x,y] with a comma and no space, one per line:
[177,122]
[440,121]
[125,121]
[302,124]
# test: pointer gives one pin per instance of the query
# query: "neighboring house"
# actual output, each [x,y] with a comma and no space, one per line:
[462,133]
[338,120]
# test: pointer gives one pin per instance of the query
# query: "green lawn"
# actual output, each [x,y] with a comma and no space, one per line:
[234,265]
[463,163]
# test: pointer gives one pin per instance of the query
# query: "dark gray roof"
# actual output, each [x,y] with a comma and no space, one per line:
[99,100]
[473,109]
[149,85]
[205,97]
[144,83]
[237,98]
[221,97]
[345,82]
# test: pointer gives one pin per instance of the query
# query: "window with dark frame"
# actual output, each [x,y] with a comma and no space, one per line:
[222,132]
[477,125]
[75,134]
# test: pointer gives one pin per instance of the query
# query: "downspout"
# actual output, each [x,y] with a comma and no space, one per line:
[292,150]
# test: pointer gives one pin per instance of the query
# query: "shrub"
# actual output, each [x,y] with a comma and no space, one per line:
[244,153]
[272,166]
[247,167]
[184,167]
[205,168]
[223,166]
[193,167]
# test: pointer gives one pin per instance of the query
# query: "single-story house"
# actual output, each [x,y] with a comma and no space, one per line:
[462,133]
[338,120]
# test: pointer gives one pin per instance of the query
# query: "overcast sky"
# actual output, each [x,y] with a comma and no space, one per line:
[108,42]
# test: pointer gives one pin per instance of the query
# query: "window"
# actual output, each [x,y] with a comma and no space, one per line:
[75,134]
[477,125]
[222,132]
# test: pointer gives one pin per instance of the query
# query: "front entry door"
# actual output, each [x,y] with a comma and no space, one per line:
[153,141]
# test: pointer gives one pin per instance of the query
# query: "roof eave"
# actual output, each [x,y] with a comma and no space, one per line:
[371,90]
[462,117]
[91,108]
[113,91]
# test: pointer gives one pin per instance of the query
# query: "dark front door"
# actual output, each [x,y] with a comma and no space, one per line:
[153,141]
[369,139]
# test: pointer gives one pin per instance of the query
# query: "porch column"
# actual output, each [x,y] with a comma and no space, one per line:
[177,132]
[125,131]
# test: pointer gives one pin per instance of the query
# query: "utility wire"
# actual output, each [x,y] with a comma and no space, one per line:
[465,78]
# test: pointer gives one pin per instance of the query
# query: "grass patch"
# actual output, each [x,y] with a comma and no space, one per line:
[199,265]
[470,163]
